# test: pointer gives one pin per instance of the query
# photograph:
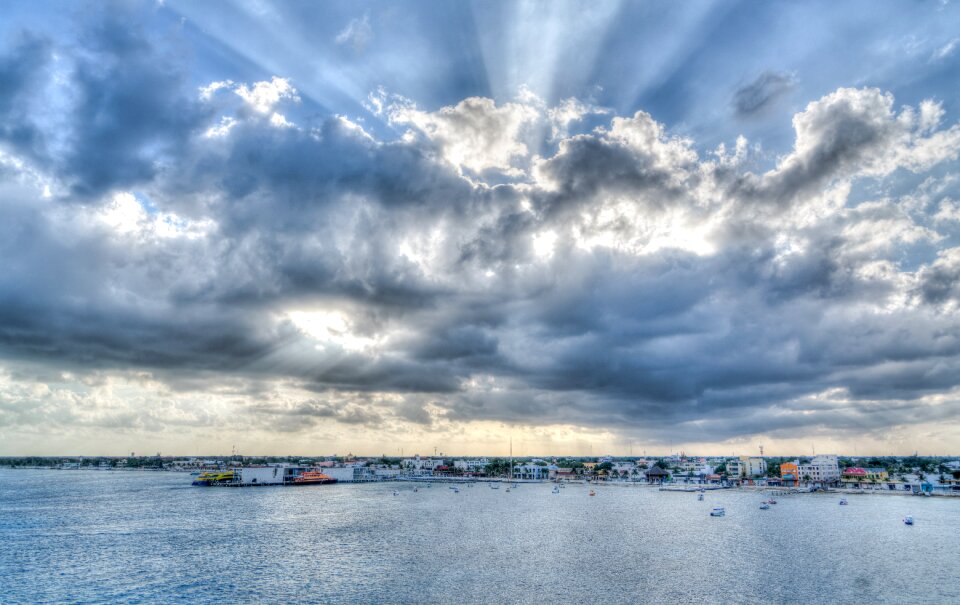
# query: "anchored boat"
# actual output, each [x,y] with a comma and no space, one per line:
[308,477]
[215,478]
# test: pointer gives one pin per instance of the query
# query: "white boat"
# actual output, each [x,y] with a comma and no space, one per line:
[718,512]
[764,506]
[455,489]
[494,486]
[508,490]
[396,493]
[843,501]
[556,489]
[700,497]
[416,489]
[908,520]
[593,493]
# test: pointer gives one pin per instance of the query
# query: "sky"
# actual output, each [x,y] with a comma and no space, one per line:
[416,227]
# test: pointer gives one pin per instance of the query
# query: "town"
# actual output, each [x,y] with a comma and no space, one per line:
[907,474]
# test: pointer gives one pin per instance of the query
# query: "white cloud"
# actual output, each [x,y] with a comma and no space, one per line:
[946,50]
[568,112]
[357,33]
[475,134]
[263,96]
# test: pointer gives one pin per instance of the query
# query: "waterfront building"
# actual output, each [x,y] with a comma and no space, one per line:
[476,465]
[856,476]
[745,466]
[531,472]
[823,469]
[421,466]
[657,475]
[790,473]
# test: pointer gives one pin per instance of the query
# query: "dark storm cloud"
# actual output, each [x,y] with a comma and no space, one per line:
[624,281]
[761,94]
[22,69]
[127,113]
[131,111]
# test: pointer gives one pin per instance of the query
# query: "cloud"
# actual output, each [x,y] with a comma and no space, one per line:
[357,34]
[475,134]
[760,95]
[946,50]
[479,262]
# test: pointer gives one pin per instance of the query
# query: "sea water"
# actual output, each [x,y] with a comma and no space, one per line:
[149,537]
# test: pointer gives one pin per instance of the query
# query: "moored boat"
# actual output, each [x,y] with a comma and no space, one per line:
[312,477]
[214,478]
[718,512]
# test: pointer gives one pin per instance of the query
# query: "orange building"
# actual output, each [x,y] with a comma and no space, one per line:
[790,473]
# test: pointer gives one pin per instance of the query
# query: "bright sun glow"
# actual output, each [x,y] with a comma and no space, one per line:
[331,328]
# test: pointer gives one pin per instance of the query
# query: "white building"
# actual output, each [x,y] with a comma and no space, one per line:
[745,466]
[821,469]
[531,471]
[420,466]
[477,465]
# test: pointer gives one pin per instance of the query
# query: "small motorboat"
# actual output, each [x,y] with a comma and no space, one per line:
[843,501]
[494,486]
[700,497]
[593,493]
[908,520]
[396,493]
[556,489]
[455,489]
[508,490]
[416,489]
[771,501]
[764,506]
[718,512]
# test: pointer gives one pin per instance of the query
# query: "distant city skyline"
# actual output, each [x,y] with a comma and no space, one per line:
[366,227]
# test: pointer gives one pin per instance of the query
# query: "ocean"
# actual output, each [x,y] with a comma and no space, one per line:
[150,537]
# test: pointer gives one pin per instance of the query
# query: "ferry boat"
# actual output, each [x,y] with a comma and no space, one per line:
[718,512]
[214,478]
[308,477]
